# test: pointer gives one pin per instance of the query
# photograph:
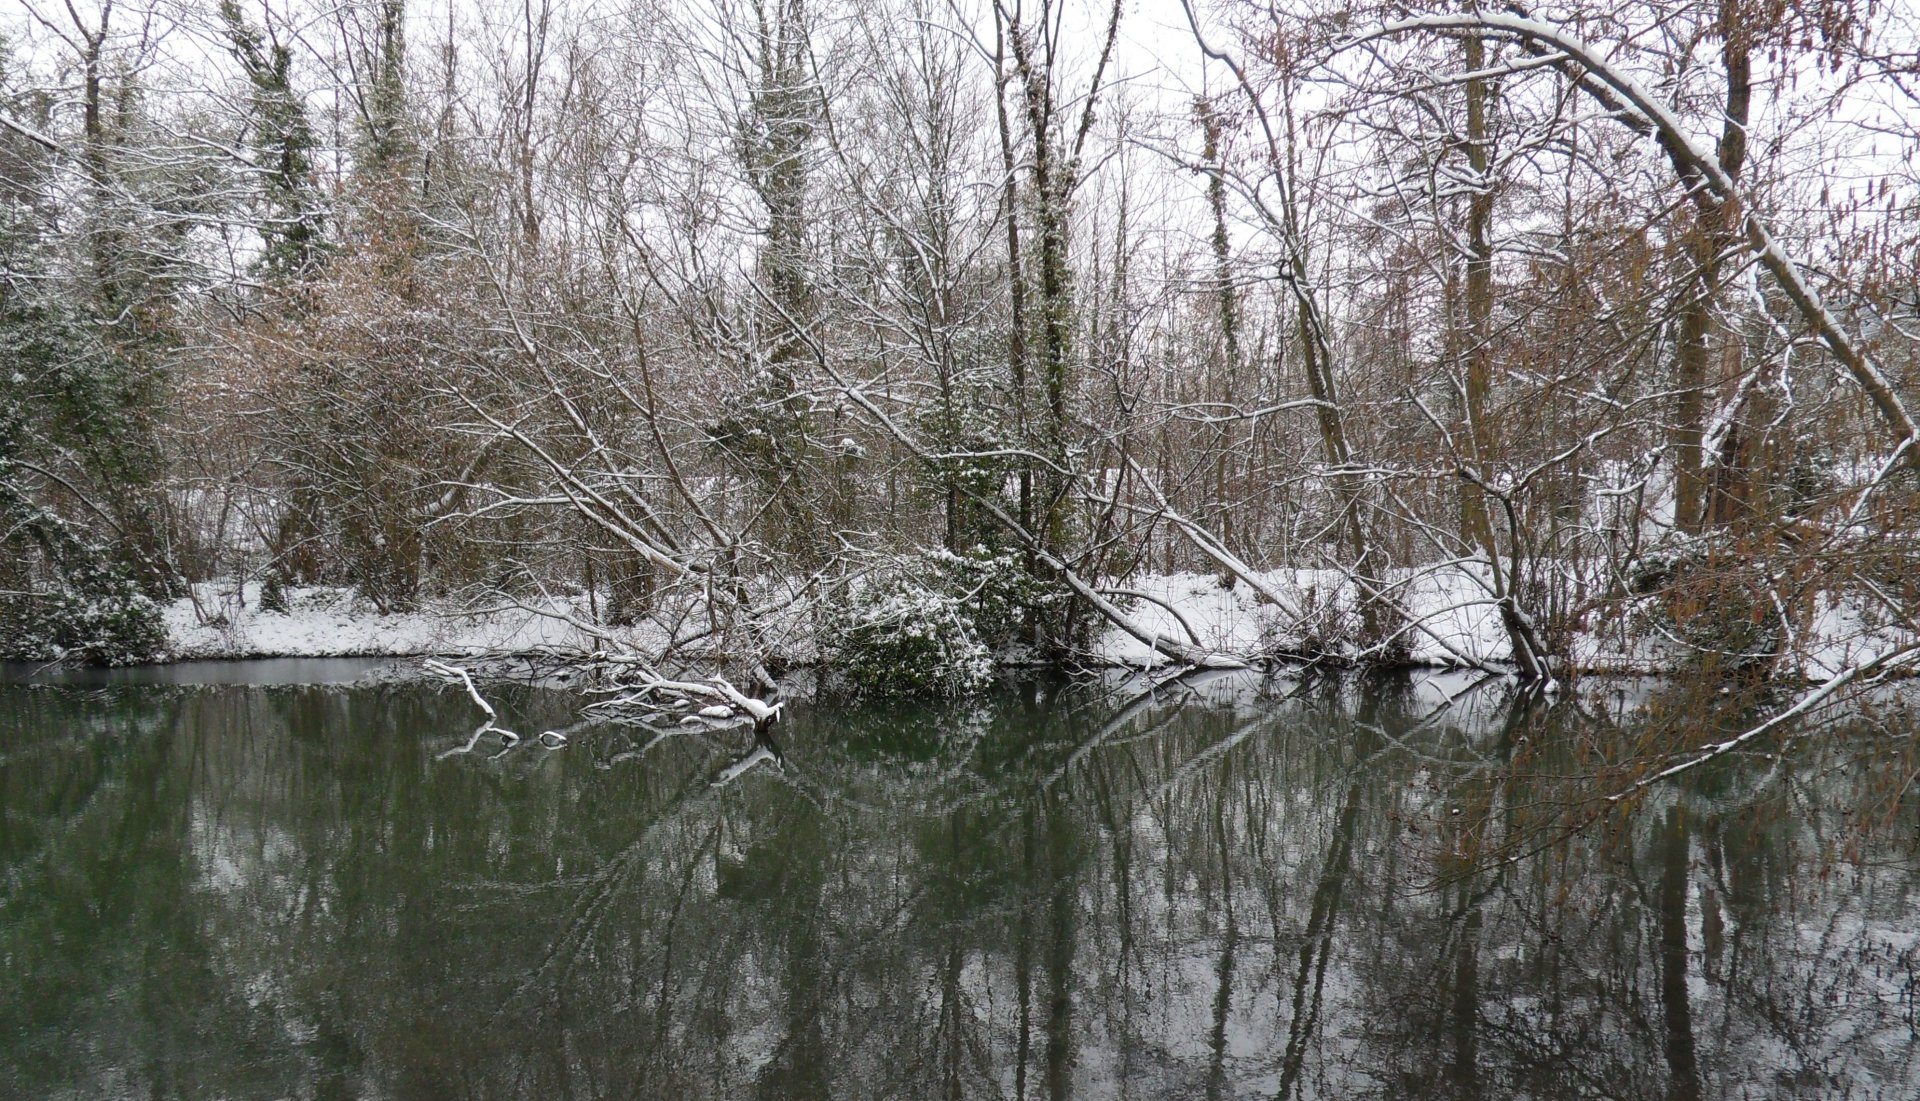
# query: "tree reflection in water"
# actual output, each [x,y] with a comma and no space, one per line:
[1227,889]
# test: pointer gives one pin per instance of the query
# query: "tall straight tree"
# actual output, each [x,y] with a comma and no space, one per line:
[294,225]
[1034,56]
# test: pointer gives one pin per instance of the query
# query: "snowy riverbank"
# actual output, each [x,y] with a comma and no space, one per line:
[1451,625]
[331,622]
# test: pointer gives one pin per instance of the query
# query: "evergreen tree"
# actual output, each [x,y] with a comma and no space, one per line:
[294,228]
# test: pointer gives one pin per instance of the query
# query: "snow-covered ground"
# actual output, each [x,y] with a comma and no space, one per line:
[329,622]
[1453,624]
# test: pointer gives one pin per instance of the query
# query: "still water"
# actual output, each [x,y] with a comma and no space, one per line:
[1238,888]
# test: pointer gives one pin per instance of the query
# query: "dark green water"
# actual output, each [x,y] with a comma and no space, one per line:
[265,891]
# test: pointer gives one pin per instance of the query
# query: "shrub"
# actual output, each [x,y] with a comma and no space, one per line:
[273,593]
[101,618]
[1715,605]
[930,626]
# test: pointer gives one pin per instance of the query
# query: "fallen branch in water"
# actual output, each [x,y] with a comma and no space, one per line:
[1885,664]
[643,698]
[548,739]
[731,707]
[762,752]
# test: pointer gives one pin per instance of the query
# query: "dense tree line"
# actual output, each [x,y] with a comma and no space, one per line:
[707,325]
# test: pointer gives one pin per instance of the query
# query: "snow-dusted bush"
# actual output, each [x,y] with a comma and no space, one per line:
[1714,604]
[102,618]
[78,459]
[930,626]
[273,593]
[900,637]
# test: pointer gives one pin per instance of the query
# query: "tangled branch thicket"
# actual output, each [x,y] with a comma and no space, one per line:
[732,334]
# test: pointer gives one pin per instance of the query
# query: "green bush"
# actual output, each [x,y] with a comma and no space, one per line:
[101,618]
[931,626]
[1715,605]
[273,593]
